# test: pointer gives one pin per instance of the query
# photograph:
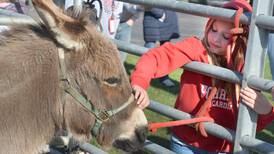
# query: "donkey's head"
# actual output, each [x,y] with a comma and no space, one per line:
[94,70]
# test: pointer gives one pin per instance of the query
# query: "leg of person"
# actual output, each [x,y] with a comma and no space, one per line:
[150,44]
[270,52]
[123,34]
[179,147]
[165,80]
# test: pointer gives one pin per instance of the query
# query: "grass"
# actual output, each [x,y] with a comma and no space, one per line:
[167,96]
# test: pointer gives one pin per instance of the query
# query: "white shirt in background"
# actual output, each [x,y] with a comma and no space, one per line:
[110,15]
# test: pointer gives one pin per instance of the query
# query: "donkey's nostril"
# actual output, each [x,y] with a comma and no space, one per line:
[141,133]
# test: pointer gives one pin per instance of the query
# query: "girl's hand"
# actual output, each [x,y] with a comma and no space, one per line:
[255,100]
[141,95]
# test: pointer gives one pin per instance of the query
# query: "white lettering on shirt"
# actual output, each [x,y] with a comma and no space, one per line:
[220,98]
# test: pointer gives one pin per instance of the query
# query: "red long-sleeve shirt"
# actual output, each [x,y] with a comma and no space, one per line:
[194,90]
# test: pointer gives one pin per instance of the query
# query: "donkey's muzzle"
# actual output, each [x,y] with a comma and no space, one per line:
[135,143]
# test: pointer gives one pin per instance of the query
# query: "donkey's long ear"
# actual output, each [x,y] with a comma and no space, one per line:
[65,29]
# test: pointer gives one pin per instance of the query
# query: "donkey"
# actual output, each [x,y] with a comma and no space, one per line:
[64,76]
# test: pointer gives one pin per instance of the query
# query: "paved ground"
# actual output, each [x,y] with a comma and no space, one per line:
[189,25]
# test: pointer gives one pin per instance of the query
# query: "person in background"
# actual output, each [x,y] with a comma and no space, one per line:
[223,45]
[160,25]
[130,13]
[18,7]
[110,19]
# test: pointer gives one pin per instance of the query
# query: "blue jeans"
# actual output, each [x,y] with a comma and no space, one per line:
[179,147]
[270,52]
[123,34]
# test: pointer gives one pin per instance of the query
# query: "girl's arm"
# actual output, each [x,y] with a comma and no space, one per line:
[158,62]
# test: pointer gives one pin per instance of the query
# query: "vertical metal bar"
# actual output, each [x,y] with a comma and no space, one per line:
[247,118]
[77,6]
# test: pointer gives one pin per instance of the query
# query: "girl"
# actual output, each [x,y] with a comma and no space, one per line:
[224,45]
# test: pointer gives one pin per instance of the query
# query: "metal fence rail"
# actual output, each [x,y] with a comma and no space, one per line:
[190,8]
[257,145]
[91,149]
[206,69]
[155,148]
[12,18]
[210,127]
[264,21]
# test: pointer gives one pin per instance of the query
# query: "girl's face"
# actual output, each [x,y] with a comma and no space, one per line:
[219,37]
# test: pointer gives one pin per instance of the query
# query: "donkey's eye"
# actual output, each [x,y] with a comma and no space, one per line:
[112,81]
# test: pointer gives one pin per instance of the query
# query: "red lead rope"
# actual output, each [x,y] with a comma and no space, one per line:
[154,126]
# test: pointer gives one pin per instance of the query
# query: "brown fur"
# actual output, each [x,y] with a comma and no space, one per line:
[32,107]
